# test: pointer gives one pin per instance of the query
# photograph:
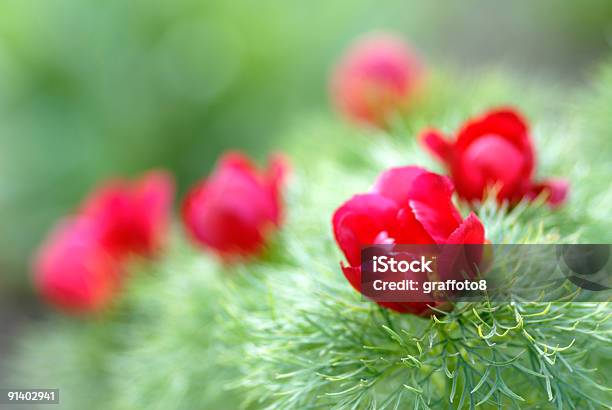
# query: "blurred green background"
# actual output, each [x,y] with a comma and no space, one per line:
[92,89]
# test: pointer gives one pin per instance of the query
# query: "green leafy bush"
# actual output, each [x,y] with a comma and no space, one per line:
[288,331]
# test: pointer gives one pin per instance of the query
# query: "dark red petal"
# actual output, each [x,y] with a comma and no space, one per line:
[557,191]
[471,231]
[408,230]
[353,275]
[455,262]
[490,161]
[395,183]
[430,200]
[359,221]
[504,122]
[435,142]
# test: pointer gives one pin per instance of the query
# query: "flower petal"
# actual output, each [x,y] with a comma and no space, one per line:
[505,122]
[238,161]
[458,262]
[471,231]
[430,200]
[134,214]
[557,190]
[480,168]
[408,230]
[395,183]
[217,215]
[359,221]
[73,270]
[435,142]
[353,275]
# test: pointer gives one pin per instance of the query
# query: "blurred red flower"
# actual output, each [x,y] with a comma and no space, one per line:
[407,205]
[494,149]
[235,209]
[134,215]
[378,76]
[73,271]
[79,266]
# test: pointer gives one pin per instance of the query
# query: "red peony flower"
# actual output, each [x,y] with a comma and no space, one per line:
[378,76]
[493,150]
[133,215]
[79,266]
[73,271]
[407,205]
[235,209]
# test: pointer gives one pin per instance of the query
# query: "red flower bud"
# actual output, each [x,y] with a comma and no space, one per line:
[133,215]
[407,205]
[377,76]
[493,150]
[73,271]
[235,209]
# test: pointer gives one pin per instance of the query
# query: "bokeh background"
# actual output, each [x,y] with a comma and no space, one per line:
[92,89]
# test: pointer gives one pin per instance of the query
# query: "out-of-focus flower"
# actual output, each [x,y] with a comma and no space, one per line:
[235,209]
[378,76]
[79,266]
[493,150]
[133,215]
[73,271]
[407,205]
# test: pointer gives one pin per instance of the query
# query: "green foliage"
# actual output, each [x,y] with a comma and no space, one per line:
[315,343]
[288,331]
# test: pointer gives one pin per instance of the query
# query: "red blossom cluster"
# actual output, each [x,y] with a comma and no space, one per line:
[379,76]
[80,266]
[233,212]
